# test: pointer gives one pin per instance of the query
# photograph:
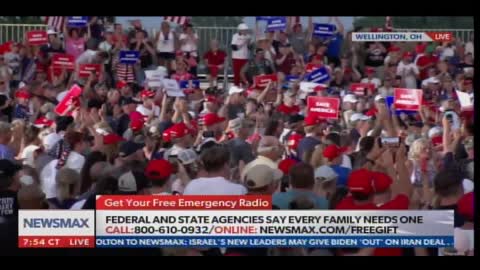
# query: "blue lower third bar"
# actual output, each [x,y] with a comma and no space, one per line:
[273,241]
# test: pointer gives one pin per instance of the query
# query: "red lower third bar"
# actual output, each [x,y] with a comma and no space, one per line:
[56,241]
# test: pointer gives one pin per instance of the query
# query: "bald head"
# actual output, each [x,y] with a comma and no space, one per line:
[270,147]
[100,169]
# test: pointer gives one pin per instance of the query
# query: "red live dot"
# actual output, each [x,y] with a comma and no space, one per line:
[441,36]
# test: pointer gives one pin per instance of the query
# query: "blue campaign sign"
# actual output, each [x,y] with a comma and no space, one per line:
[77,21]
[320,75]
[277,24]
[129,57]
[290,80]
[264,18]
[389,101]
[184,84]
[324,30]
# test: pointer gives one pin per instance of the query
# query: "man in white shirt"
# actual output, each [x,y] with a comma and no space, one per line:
[240,42]
[269,153]
[387,88]
[215,161]
[370,78]
[408,70]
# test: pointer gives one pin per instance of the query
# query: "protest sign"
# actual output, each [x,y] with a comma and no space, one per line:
[323,107]
[191,84]
[277,24]
[319,75]
[62,60]
[68,99]
[362,89]
[129,57]
[77,21]
[261,81]
[154,77]
[172,88]
[407,99]
[466,101]
[324,30]
[85,70]
[37,37]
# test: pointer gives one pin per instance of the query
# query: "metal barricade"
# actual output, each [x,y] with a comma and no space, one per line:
[16,32]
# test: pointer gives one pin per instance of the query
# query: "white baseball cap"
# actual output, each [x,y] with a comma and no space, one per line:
[350,98]
[187,156]
[51,32]
[235,89]
[434,131]
[359,116]
[243,26]
[325,173]
[260,176]
[379,97]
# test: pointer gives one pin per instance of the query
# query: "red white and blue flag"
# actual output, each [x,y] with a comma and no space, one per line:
[177,19]
[55,22]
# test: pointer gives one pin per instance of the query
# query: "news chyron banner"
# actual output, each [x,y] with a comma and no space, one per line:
[402,37]
[248,221]
[228,221]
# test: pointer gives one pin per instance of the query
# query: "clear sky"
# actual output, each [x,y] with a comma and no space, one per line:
[154,22]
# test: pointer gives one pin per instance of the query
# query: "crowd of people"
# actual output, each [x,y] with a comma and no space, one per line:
[121,136]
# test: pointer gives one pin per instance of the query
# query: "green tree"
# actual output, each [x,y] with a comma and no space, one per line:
[420,22]
[21,19]
[221,21]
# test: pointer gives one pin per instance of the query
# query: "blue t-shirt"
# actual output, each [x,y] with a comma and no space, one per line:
[283,199]
[6,152]
[21,112]
[335,45]
[307,144]
[343,174]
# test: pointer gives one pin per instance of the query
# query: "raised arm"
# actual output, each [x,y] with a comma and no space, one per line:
[339,24]
[264,93]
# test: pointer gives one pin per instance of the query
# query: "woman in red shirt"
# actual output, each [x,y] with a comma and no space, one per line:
[181,73]
[214,60]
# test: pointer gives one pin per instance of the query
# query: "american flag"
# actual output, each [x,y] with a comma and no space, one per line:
[55,22]
[177,19]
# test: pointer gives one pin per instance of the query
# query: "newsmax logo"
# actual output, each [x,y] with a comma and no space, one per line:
[56,222]
[402,37]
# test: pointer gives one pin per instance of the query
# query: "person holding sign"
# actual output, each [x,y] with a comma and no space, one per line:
[240,43]
[257,66]
[74,40]
[297,37]
[335,43]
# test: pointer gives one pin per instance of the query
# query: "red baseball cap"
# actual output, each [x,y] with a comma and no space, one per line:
[370,70]
[121,84]
[394,49]
[319,88]
[22,93]
[158,170]
[176,131]
[43,122]
[437,140]
[210,119]
[286,164]
[137,121]
[407,54]
[147,93]
[371,112]
[293,141]
[465,206]
[381,181]
[361,181]
[311,120]
[112,138]
[333,151]
[211,98]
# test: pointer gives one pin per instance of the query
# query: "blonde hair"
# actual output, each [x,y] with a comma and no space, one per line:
[67,183]
[416,148]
